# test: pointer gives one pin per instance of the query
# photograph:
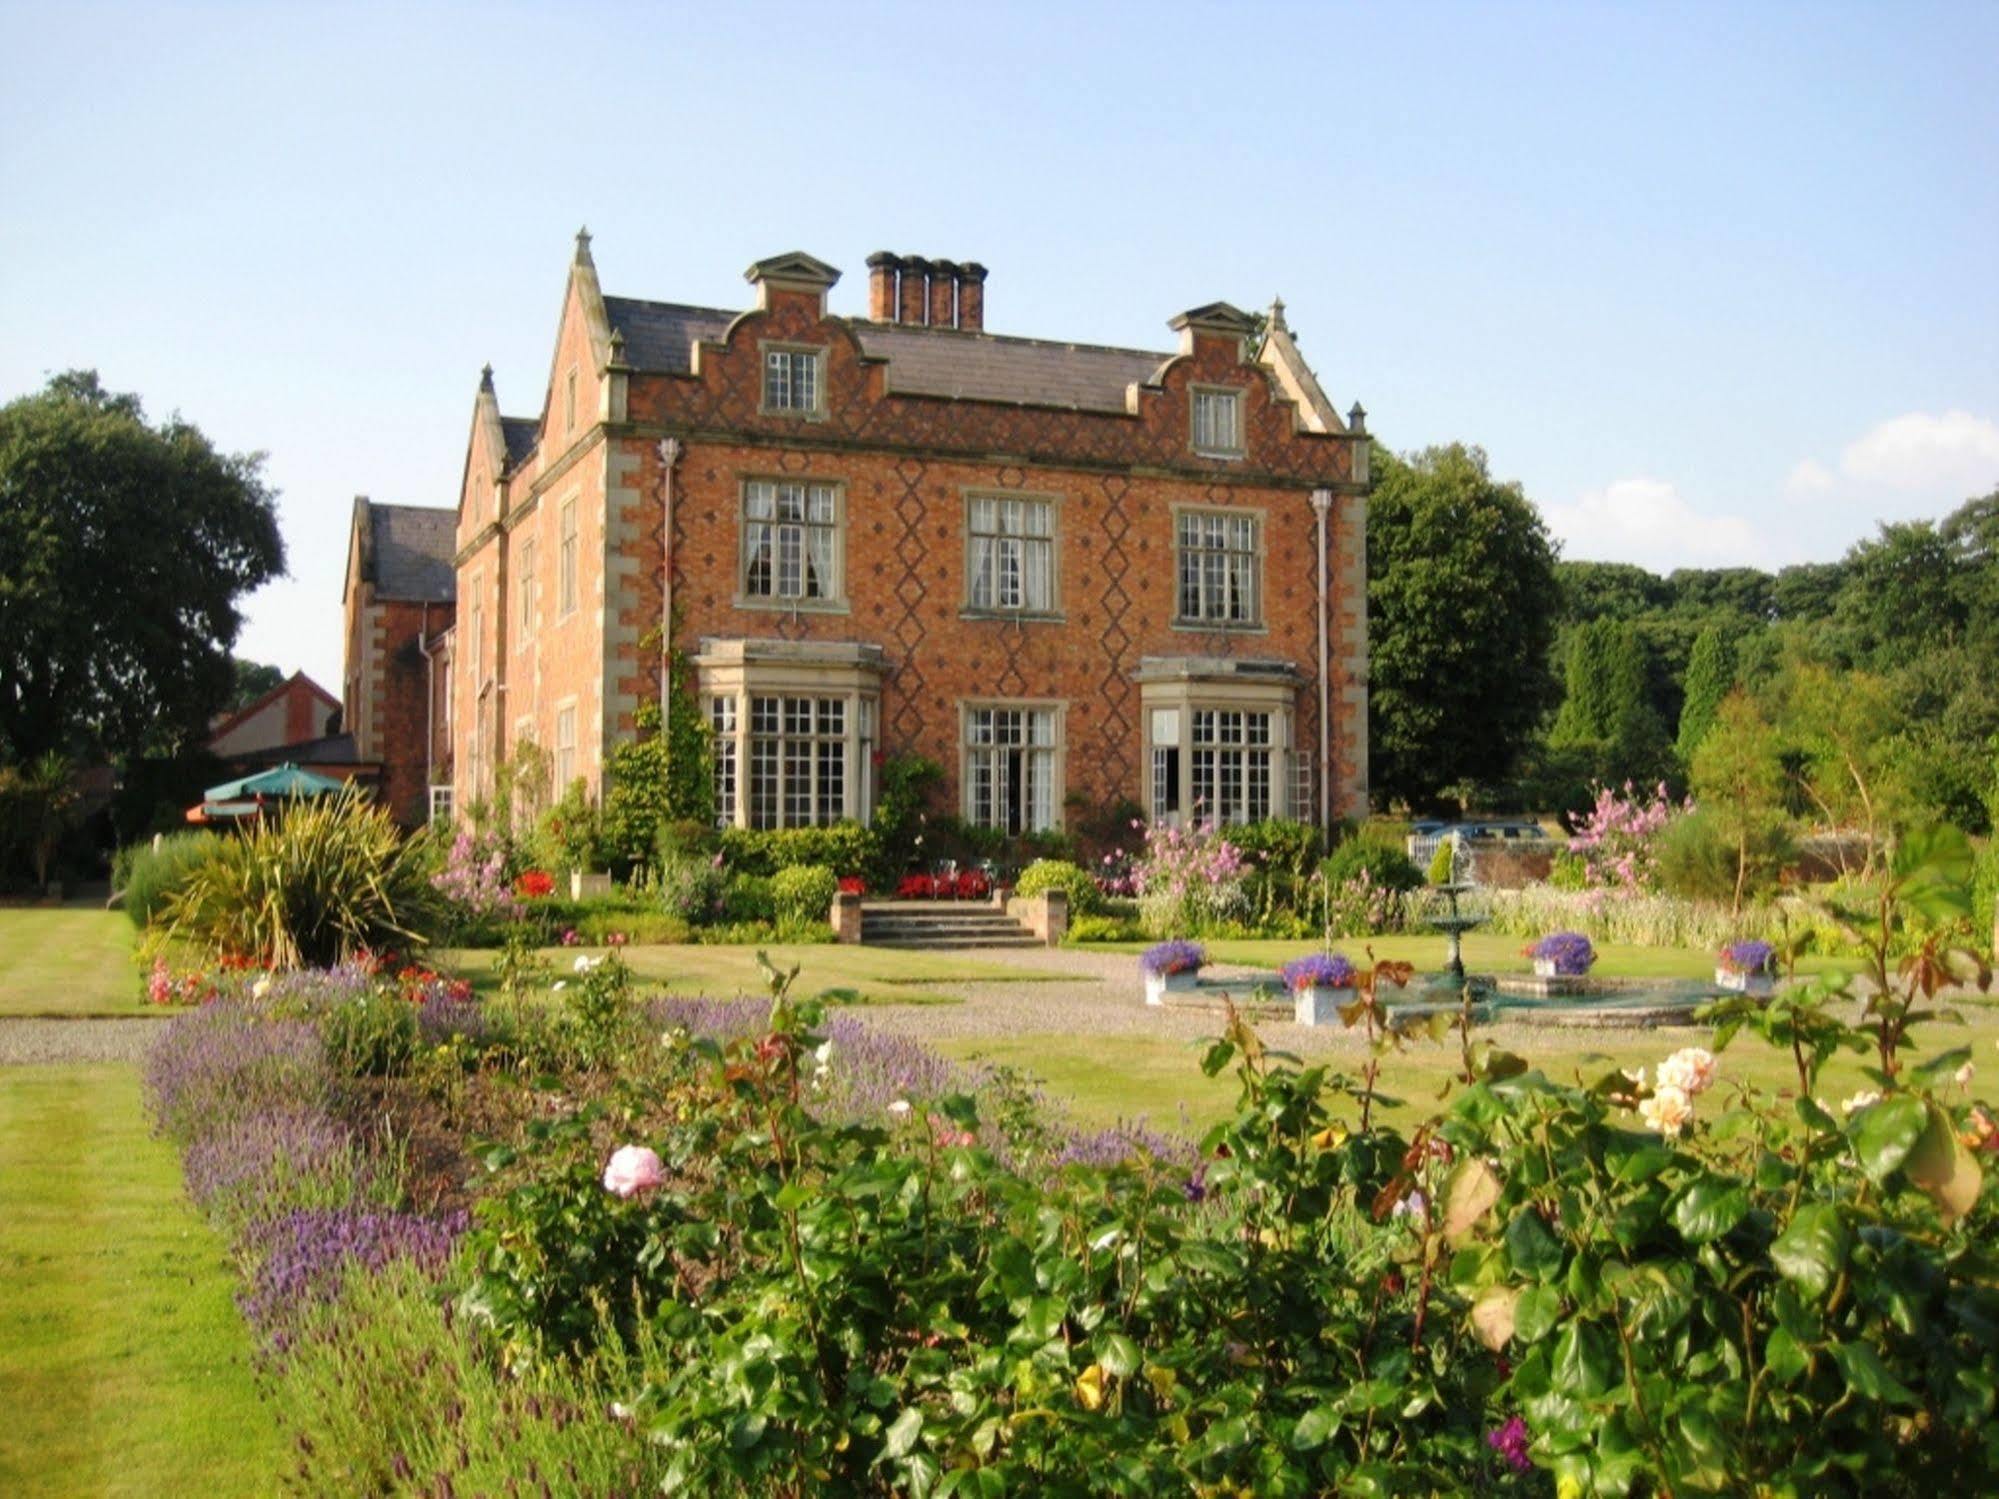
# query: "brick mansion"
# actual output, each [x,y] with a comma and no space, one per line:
[1069,574]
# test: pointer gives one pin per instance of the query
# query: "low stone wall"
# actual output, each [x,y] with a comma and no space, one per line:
[1045,915]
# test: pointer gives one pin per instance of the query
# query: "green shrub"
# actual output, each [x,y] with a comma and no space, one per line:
[1695,860]
[748,897]
[373,1034]
[803,895]
[844,847]
[1280,844]
[1086,929]
[1044,875]
[150,877]
[689,886]
[323,882]
[1385,866]
[571,835]
[643,928]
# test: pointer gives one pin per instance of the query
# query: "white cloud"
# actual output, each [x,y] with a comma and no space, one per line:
[1646,521]
[1808,477]
[1955,453]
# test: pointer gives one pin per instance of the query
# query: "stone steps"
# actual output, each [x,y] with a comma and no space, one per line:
[940,924]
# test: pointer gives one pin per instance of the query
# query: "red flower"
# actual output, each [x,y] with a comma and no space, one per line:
[535,884]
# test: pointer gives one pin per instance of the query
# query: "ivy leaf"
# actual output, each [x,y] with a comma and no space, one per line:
[1864,1370]
[1314,1427]
[902,1435]
[1812,1250]
[1581,1366]
[1709,1208]
[1885,1132]
[1118,1354]
[1783,1357]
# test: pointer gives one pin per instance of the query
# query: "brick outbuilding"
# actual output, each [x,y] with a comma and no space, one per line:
[1069,574]
[398,602]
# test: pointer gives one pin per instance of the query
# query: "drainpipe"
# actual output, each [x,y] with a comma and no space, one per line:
[669,455]
[1322,500]
[429,710]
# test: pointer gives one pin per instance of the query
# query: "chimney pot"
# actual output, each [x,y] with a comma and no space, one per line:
[972,296]
[943,294]
[882,268]
[912,300]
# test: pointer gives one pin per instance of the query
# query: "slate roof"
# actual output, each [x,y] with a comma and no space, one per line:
[521,433]
[412,548]
[948,362]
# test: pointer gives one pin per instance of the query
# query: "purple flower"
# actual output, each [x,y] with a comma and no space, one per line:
[1570,952]
[1510,1442]
[1747,957]
[301,1257]
[1318,971]
[1177,956]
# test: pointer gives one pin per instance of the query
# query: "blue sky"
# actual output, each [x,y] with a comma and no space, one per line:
[1715,283]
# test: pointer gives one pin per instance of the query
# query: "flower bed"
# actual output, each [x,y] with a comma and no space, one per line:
[741,1248]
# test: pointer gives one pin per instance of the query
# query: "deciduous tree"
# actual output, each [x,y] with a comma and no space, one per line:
[125,548]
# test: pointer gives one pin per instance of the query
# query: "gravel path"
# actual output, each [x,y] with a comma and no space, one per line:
[1098,994]
[33,1041]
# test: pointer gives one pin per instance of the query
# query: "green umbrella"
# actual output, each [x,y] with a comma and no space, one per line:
[280,780]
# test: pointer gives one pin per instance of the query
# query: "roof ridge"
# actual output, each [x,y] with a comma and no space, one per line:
[723,312]
[861,324]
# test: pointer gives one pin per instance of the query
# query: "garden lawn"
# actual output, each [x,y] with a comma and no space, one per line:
[123,1364]
[1106,1078]
[1484,953]
[67,960]
[879,975]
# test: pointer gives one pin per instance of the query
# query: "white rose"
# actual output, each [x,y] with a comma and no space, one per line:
[1859,1101]
[1691,1070]
[1668,1111]
[899,1109]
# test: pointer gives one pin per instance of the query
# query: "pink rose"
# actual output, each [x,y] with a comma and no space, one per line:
[633,1169]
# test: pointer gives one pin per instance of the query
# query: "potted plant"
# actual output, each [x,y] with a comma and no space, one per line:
[1562,955]
[1172,968]
[1747,968]
[1320,984]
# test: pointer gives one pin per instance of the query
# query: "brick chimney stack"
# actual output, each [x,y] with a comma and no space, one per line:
[912,304]
[943,294]
[882,267]
[971,296]
[921,293]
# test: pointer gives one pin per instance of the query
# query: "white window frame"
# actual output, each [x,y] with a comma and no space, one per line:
[1219,579]
[530,603]
[569,549]
[1179,764]
[801,751]
[1001,549]
[563,764]
[781,397]
[989,743]
[798,534]
[440,802]
[741,672]
[1201,428]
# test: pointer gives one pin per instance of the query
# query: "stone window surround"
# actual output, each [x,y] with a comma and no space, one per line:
[1054,613]
[746,668]
[1192,684]
[816,412]
[1260,624]
[1058,750]
[1237,449]
[530,589]
[744,599]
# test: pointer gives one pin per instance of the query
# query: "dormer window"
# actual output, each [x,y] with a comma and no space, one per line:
[1217,422]
[792,381]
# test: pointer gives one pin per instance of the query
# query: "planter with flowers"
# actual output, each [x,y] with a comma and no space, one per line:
[1564,955]
[1321,984]
[1172,968]
[1747,968]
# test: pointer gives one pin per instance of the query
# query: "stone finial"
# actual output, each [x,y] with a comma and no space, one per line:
[583,247]
[1277,323]
[486,379]
[1357,418]
[617,348]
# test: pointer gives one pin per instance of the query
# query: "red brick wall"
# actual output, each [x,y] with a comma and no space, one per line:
[906,462]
